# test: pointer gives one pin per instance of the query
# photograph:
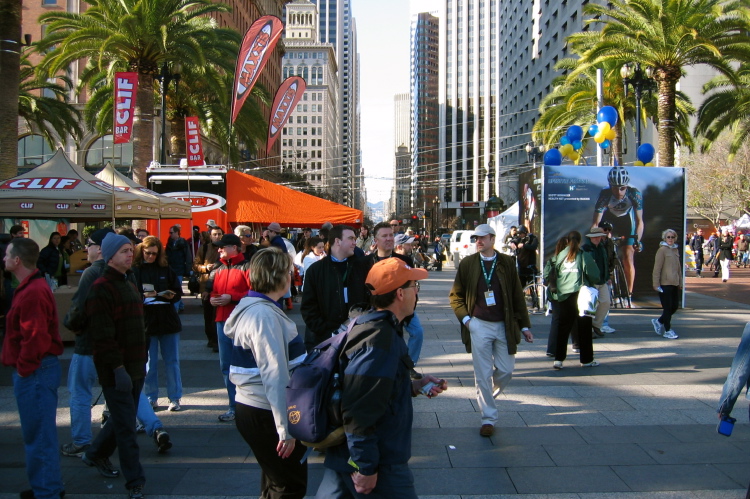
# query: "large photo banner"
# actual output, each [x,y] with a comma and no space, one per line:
[639,202]
[530,206]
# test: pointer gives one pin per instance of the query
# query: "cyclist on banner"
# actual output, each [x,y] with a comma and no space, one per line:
[622,206]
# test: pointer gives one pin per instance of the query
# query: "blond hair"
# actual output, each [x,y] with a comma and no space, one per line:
[269,269]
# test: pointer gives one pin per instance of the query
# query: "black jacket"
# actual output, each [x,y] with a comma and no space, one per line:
[178,256]
[323,308]
[696,244]
[526,256]
[725,248]
[161,318]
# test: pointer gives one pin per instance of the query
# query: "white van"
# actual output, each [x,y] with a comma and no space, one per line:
[461,245]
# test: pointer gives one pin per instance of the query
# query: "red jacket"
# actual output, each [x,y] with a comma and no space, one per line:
[31,331]
[229,278]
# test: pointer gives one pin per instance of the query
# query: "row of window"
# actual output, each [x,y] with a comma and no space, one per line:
[302,143]
[33,150]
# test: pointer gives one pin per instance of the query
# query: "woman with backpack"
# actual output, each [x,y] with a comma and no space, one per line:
[574,269]
[266,347]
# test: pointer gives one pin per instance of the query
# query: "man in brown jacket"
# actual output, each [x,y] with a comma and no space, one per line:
[488,300]
[204,262]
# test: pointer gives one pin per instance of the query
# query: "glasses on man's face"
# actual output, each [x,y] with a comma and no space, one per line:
[415,285]
[90,244]
[150,253]
[171,232]
[247,235]
[394,225]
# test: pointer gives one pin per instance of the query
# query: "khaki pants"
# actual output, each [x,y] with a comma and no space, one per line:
[602,308]
[493,365]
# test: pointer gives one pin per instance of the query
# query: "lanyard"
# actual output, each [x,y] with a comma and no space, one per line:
[488,275]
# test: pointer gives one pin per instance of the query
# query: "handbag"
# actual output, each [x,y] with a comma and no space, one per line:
[588,298]
[194,283]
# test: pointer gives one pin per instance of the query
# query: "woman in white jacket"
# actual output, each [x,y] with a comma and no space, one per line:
[266,347]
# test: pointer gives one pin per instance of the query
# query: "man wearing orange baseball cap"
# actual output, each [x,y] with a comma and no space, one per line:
[377,393]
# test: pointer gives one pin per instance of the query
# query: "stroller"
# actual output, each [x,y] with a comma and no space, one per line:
[424,260]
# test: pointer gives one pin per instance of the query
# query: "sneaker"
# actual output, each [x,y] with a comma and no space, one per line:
[139,428]
[550,354]
[136,492]
[557,364]
[658,326]
[576,350]
[161,439]
[227,416]
[607,329]
[415,374]
[487,430]
[671,335]
[103,465]
[593,363]
[73,450]
[174,405]
[597,332]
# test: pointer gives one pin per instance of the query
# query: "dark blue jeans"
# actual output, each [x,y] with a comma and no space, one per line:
[119,433]
[395,481]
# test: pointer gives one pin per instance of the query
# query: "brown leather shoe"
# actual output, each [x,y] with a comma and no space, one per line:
[487,430]
[597,333]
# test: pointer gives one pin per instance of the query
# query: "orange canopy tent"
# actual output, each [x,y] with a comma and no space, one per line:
[253,200]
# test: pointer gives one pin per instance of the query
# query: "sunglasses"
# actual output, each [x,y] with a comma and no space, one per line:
[91,243]
[671,237]
[247,235]
[150,253]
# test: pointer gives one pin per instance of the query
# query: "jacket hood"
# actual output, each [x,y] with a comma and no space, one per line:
[664,243]
[246,303]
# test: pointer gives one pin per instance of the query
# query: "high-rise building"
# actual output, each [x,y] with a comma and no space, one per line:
[402,184]
[310,143]
[424,110]
[337,26]
[401,121]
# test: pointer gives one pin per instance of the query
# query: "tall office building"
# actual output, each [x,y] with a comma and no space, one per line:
[401,204]
[424,110]
[338,27]
[401,121]
[310,142]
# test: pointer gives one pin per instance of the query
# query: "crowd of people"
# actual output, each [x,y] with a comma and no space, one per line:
[719,250]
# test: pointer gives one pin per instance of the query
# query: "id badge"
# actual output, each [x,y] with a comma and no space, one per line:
[489,298]
[346,295]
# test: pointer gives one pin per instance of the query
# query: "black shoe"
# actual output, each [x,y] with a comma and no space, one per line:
[415,375]
[215,348]
[29,494]
[161,438]
[136,492]
[103,465]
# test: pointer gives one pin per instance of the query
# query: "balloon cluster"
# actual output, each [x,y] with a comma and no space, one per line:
[645,154]
[604,129]
[571,145]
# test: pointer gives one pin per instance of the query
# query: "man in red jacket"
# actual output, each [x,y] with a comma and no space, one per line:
[31,346]
[228,283]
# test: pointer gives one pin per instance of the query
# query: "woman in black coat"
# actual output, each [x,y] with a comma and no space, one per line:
[53,260]
[725,254]
[160,289]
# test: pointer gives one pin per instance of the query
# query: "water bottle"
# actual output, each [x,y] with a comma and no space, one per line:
[334,407]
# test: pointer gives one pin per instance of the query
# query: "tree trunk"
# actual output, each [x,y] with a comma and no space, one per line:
[143,128]
[10,68]
[177,140]
[667,85]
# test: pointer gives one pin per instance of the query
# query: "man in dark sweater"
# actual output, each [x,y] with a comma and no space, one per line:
[696,244]
[115,311]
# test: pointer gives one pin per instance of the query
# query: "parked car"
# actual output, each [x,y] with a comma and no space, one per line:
[461,245]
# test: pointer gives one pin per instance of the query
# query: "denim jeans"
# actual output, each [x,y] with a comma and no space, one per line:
[147,416]
[225,360]
[36,396]
[394,481]
[169,344]
[81,379]
[179,305]
[739,375]
[416,338]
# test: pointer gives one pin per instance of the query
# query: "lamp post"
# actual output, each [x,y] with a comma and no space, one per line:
[436,204]
[534,153]
[640,80]
[491,178]
[165,78]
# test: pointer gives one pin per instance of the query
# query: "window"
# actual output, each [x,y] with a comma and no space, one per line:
[100,152]
[33,150]
[49,2]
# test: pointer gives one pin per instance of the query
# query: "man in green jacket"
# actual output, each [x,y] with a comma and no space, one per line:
[488,300]
[598,251]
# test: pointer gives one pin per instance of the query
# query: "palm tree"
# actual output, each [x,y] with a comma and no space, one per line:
[139,36]
[573,101]
[10,56]
[50,116]
[667,35]
[726,109]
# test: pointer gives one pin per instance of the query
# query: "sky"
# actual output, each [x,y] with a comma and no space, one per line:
[383,38]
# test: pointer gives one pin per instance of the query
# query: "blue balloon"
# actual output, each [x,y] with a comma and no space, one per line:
[564,140]
[593,130]
[605,144]
[608,114]
[575,133]
[577,144]
[553,157]
[645,153]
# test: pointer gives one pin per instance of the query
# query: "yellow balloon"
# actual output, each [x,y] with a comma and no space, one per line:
[650,164]
[611,134]
[599,137]
[604,128]
[566,150]
[574,156]
[638,163]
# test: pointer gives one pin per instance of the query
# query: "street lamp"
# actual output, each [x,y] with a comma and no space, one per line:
[640,80]
[165,78]
[534,153]
[491,178]
[436,204]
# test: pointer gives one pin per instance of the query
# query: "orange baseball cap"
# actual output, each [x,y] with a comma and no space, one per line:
[390,274]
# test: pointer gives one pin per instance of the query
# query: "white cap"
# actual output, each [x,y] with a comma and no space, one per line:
[483,230]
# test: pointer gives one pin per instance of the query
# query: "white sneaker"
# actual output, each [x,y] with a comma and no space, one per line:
[658,326]
[227,416]
[557,364]
[607,329]
[174,405]
[671,335]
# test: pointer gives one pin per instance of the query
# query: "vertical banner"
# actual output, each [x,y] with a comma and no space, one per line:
[530,205]
[287,96]
[194,142]
[255,50]
[126,89]
[639,203]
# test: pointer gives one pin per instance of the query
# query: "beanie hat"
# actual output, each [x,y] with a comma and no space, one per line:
[98,236]
[112,244]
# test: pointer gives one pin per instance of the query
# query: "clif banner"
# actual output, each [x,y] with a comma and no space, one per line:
[194,143]
[255,50]
[287,96]
[126,89]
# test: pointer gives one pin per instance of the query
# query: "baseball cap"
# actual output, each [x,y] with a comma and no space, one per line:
[403,239]
[390,274]
[597,232]
[523,229]
[228,240]
[274,227]
[483,230]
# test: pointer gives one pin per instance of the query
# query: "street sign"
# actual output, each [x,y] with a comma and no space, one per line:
[420,214]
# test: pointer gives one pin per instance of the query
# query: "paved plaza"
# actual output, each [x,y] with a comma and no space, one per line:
[642,425]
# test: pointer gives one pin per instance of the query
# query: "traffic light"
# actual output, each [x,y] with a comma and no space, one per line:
[414,217]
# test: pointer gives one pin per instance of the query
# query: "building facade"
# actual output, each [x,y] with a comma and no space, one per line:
[310,141]
[402,183]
